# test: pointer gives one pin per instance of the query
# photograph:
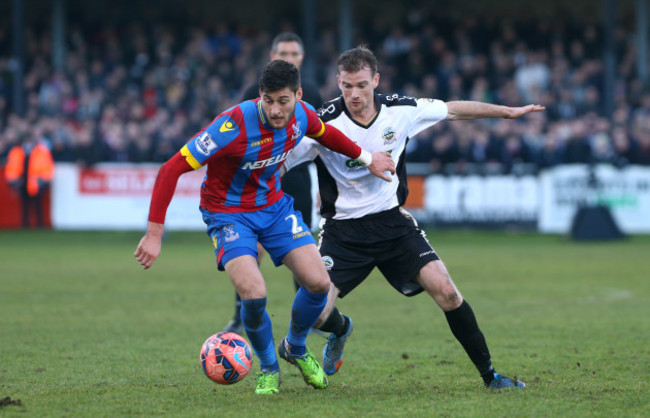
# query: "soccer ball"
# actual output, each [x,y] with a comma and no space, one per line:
[226,358]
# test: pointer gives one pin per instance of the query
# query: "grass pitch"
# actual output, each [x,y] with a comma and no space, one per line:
[84,331]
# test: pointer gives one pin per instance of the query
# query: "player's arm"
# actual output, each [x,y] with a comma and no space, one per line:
[163,190]
[332,138]
[463,110]
[192,156]
[306,150]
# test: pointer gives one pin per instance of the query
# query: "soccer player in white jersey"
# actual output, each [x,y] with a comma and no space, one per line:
[363,223]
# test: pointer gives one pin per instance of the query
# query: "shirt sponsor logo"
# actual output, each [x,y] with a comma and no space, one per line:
[262,141]
[229,233]
[205,144]
[353,164]
[356,164]
[254,165]
[329,263]
[389,136]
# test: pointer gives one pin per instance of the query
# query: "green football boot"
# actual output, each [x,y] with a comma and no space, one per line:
[312,372]
[268,383]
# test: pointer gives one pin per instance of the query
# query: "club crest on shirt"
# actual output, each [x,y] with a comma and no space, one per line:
[229,233]
[297,133]
[329,263]
[205,144]
[389,135]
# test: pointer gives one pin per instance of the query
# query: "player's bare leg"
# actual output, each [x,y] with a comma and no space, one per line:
[246,276]
[235,325]
[307,267]
[435,279]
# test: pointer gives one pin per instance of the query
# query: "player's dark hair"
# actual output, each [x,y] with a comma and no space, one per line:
[279,74]
[356,59]
[286,37]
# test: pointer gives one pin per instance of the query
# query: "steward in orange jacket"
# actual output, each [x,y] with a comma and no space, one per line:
[29,169]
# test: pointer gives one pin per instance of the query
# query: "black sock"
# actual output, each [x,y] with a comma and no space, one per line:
[464,327]
[336,323]
[237,316]
[488,377]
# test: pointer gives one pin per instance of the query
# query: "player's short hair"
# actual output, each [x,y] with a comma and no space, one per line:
[279,74]
[356,59]
[286,37]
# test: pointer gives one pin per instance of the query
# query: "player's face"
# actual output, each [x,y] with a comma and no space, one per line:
[279,106]
[358,91]
[289,52]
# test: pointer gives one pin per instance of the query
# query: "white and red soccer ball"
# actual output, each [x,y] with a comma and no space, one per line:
[226,358]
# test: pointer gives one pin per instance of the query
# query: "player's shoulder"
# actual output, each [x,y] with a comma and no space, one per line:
[306,106]
[391,100]
[331,109]
[228,124]
[247,106]
[240,112]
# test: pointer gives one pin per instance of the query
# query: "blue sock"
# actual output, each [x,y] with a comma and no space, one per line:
[258,328]
[306,308]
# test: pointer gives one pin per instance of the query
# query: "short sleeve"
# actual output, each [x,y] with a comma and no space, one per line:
[210,140]
[427,113]
[315,126]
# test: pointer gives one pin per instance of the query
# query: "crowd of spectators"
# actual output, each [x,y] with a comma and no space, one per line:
[138,92]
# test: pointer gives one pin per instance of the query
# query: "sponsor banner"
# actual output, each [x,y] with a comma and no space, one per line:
[625,191]
[117,196]
[479,200]
[126,181]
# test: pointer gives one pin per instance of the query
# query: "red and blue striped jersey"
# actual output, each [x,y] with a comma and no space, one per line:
[244,155]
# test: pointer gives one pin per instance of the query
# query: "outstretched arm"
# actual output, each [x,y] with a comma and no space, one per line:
[163,190]
[463,110]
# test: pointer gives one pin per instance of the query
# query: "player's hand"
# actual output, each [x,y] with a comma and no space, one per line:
[516,112]
[149,247]
[382,162]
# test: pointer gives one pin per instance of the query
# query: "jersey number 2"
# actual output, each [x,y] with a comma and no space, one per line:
[295,228]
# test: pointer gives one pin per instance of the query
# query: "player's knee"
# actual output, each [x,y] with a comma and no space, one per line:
[453,299]
[434,277]
[320,284]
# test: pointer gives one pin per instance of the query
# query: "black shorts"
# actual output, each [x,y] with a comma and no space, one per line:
[297,184]
[389,240]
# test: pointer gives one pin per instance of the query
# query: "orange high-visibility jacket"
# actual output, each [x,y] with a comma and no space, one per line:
[40,166]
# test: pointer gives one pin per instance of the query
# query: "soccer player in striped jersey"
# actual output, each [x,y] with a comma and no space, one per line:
[286,46]
[242,203]
[360,233]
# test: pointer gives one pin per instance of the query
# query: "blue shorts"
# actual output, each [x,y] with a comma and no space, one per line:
[279,228]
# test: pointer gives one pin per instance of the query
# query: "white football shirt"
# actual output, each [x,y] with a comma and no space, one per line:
[348,189]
